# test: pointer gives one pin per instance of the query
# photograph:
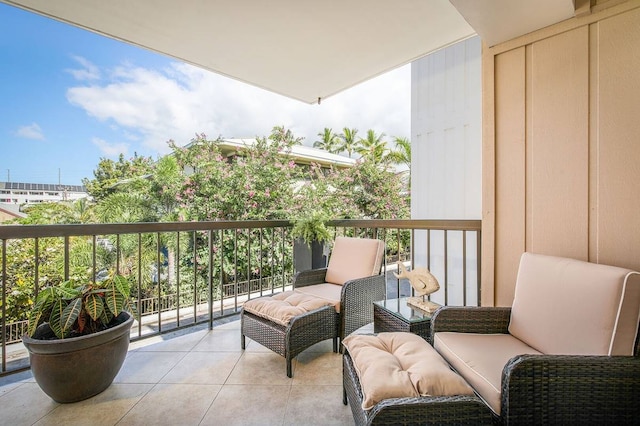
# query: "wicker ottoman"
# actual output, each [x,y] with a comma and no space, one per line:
[452,410]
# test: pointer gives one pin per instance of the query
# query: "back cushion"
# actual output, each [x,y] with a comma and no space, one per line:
[354,258]
[567,306]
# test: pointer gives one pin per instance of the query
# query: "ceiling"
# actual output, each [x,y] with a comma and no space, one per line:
[307,50]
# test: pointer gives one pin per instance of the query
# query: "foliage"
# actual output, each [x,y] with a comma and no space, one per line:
[311,227]
[74,308]
[253,184]
[110,174]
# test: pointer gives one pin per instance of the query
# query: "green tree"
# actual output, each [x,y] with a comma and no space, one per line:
[402,152]
[348,141]
[109,174]
[284,136]
[329,141]
[373,148]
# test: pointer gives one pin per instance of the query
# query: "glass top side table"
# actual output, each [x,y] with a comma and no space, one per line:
[397,315]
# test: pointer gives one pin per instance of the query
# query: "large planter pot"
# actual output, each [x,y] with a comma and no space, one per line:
[77,368]
[307,256]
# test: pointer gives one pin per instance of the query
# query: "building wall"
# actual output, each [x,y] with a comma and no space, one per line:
[561,169]
[446,133]
[446,174]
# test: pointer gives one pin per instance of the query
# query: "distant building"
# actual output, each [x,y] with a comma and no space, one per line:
[20,193]
[300,154]
[10,212]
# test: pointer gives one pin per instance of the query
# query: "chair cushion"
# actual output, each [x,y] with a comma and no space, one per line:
[282,307]
[326,291]
[480,359]
[397,365]
[353,258]
[571,307]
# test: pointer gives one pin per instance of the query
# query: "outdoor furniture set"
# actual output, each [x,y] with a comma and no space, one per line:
[566,352]
[327,303]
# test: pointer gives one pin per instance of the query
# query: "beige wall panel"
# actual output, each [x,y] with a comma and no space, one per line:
[510,170]
[558,163]
[618,141]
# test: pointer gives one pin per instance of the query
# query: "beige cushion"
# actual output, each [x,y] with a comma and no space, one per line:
[480,359]
[329,292]
[353,258]
[282,307]
[397,365]
[567,306]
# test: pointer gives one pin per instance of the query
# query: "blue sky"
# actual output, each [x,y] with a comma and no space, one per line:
[69,97]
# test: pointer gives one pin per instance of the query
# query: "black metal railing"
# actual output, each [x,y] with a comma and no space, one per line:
[187,273]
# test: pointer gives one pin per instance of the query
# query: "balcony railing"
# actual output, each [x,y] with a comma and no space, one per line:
[189,273]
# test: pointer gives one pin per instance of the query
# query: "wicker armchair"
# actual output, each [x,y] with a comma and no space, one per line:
[354,297]
[566,352]
[554,389]
[582,320]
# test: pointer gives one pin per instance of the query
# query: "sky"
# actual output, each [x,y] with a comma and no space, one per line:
[69,97]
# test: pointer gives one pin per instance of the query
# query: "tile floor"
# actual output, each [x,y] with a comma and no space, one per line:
[197,378]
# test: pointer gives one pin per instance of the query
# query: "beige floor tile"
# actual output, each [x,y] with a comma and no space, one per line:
[225,340]
[183,343]
[203,367]
[314,368]
[260,369]
[25,405]
[317,405]
[106,408]
[248,405]
[147,367]
[253,346]
[172,404]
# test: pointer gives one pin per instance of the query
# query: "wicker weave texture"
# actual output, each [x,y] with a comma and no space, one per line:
[554,389]
[356,310]
[427,410]
[383,320]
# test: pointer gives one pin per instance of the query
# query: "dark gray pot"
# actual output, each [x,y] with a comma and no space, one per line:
[307,257]
[77,368]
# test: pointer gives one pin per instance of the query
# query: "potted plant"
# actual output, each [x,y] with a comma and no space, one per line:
[78,336]
[310,233]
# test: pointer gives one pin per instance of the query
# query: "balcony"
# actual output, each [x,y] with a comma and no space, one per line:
[190,282]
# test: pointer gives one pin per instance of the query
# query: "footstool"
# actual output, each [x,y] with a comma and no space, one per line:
[398,378]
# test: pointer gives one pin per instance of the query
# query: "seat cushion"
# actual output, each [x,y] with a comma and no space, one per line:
[397,365]
[480,359]
[353,258]
[329,292]
[282,307]
[571,307]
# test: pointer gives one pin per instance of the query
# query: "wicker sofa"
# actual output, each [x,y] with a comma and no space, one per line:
[566,352]
[327,303]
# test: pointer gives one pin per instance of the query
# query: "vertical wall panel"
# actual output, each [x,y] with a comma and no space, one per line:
[510,168]
[565,130]
[618,141]
[559,156]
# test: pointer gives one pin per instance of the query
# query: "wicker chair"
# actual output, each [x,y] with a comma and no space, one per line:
[582,320]
[352,275]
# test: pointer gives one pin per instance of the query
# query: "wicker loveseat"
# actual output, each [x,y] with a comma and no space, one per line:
[327,303]
[566,352]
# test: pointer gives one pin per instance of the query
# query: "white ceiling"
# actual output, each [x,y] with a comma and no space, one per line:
[307,50]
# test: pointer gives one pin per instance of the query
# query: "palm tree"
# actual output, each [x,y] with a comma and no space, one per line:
[373,147]
[402,153]
[328,141]
[348,140]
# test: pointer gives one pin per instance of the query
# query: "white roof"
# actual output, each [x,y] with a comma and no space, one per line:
[299,153]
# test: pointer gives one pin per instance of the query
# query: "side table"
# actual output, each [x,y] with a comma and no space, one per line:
[397,315]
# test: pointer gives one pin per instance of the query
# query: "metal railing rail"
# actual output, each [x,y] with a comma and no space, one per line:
[187,273]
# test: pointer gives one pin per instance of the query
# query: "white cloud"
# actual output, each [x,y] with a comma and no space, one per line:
[89,71]
[111,149]
[178,102]
[32,131]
